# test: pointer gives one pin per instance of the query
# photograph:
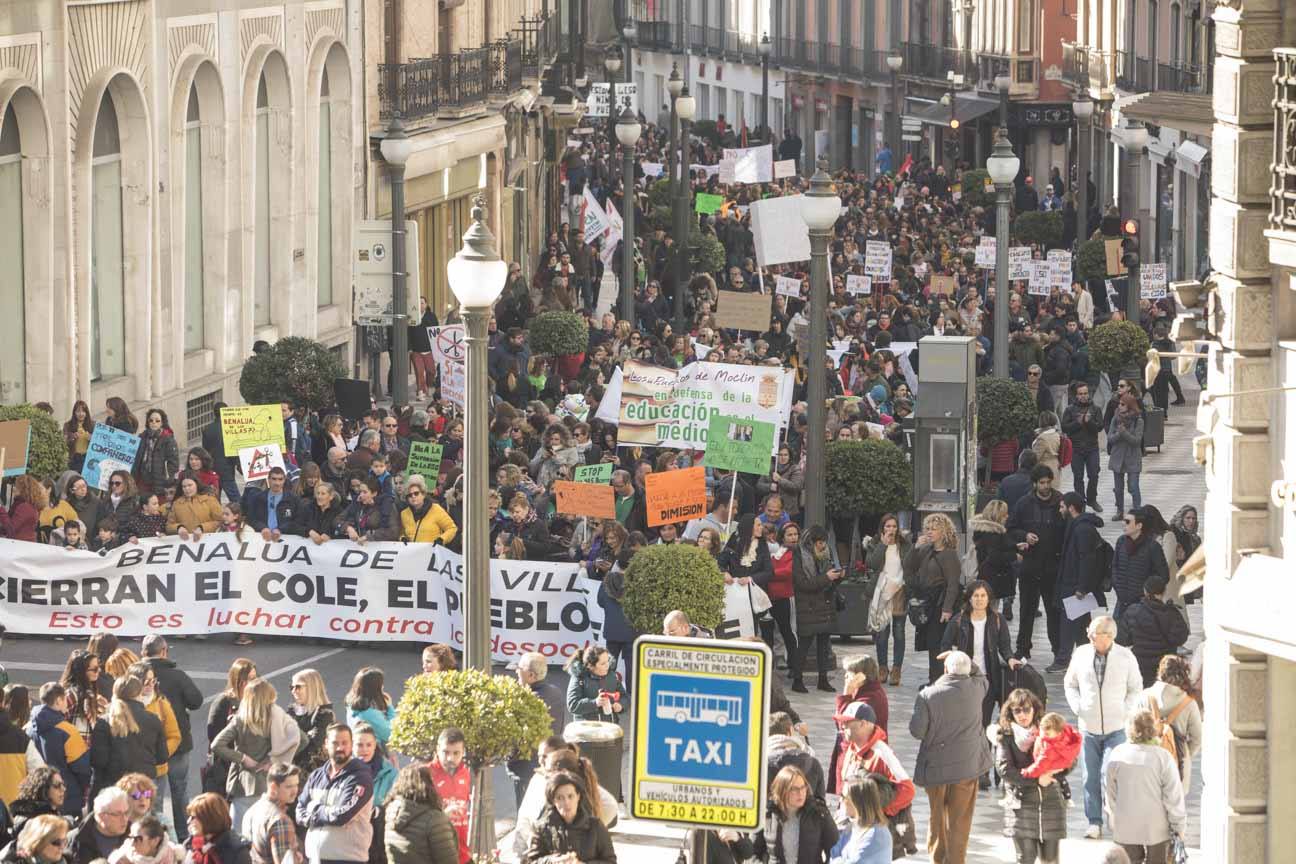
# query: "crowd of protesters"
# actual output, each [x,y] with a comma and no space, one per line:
[108,739]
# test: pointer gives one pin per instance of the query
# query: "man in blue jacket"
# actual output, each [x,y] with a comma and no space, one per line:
[274,510]
[336,805]
[61,746]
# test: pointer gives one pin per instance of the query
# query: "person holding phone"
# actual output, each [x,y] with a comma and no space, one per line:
[931,572]
[815,574]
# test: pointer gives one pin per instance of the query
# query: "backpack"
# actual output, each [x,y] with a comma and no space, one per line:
[1064,451]
[1167,737]
[1105,556]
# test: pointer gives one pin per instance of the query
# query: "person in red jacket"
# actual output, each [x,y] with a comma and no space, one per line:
[453,783]
[20,520]
[863,683]
[867,752]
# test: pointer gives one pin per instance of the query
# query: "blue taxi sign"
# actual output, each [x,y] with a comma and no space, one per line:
[701,715]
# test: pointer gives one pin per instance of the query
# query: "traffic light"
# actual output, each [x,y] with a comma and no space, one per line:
[1130,243]
[954,123]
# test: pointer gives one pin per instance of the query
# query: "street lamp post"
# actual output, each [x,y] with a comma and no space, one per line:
[1003,166]
[684,107]
[627,132]
[1003,83]
[820,208]
[674,86]
[1135,143]
[629,32]
[764,48]
[612,64]
[1083,109]
[396,148]
[894,61]
[476,276]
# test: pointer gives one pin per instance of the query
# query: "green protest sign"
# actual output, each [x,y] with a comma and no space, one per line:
[600,473]
[706,203]
[425,459]
[739,444]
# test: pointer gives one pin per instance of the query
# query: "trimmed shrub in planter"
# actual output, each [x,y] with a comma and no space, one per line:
[1005,410]
[1039,227]
[47,455]
[1091,261]
[867,478]
[1118,346]
[974,193]
[558,334]
[293,368]
[663,578]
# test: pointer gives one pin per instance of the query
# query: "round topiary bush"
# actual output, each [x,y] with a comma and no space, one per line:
[867,478]
[47,455]
[293,368]
[1091,260]
[1039,227]
[1117,346]
[663,578]
[500,718]
[974,194]
[558,333]
[1005,410]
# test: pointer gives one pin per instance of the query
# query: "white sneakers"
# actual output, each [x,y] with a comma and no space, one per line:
[1093,832]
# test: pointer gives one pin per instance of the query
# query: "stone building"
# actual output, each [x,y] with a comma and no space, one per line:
[178,179]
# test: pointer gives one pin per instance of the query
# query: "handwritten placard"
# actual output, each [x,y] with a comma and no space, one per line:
[675,496]
[1019,262]
[1152,281]
[584,499]
[856,284]
[787,286]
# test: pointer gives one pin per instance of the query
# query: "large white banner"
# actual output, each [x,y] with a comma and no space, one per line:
[336,590]
[778,231]
[751,164]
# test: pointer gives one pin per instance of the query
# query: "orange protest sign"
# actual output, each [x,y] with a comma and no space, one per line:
[585,499]
[675,496]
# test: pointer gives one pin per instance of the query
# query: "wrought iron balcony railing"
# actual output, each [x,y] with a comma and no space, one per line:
[1282,188]
[450,83]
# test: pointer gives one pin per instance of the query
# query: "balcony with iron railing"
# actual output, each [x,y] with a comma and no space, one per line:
[1282,188]
[697,37]
[655,35]
[935,62]
[538,40]
[450,85]
[714,40]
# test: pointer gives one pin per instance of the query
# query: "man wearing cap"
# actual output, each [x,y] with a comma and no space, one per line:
[952,753]
[1051,201]
[867,752]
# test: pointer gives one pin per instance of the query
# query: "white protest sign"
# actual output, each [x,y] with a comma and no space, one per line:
[1019,262]
[596,222]
[449,342]
[727,169]
[709,170]
[257,461]
[985,254]
[877,259]
[787,286]
[751,164]
[1059,261]
[453,382]
[784,168]
[600,98]
[652,169]
[775,242]
[1039,278]
[859,284]
[1152,281]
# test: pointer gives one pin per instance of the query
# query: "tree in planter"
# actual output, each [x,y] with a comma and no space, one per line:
[1006,410]
[501,719]
[1118,347]
[47,454]
[866,479]
[1091,260]
[661,579]
[293,368]
[564,336]
[1039,227]
[974,194]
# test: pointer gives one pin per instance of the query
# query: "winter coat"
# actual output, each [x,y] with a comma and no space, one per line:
[322,521]
[161,708]
[277,744]
[998,644]
[1041,518]
[1125,445]
[782,750]
[789,488]
[201,511]
[874,561]
[946,721]
[378,718]
[996,555]
[1143,795]
[1057,363]
[1133,564]
[1151,629]
[1043,811]
[88,843]
[1080,568]
[158,459]
[310,746]
[815,611]
[112,758]
[419,833]
[181,692]
[583,689]
[933,575]
[14,759]
[431,524]
[584,835]
[89,510]
[872,694]
[229,847]
[1102,705]
[1082,423]
[256,510]
[336,811]
[616,627]
[1047,444]
[818,835]
[19,521]
[64,749]
[376,521]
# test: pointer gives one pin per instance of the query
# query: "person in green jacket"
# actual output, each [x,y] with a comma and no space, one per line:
[417,830]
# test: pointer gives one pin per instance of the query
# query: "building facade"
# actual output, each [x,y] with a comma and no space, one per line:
[179,180]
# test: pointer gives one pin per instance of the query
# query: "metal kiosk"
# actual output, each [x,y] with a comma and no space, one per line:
[945,441]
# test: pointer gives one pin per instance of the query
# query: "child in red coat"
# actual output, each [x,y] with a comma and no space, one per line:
[1054,750]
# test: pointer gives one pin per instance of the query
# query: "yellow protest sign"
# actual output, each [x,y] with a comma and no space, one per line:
[251,425]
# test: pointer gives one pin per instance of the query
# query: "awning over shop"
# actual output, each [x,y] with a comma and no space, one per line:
[1187,112]
[966,109]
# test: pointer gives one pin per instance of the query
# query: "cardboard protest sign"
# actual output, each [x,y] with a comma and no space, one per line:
[250,425]
[856,284]
[424,459]
[1019,262]
[877,259]
[739,444]
[1152,281]
[706,203]
[784,168]
[675,496]
[112,449]
[740,310]
[787,286]
[947,285]
[1039,278]
[259,460]
[448,343]
[985,253]
[1059,261]
[600,473]
[1115,253]
[584,499]
[15,441]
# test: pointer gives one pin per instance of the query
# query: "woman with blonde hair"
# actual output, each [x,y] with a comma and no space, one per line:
[127,739]
[313,712]
[160,707]
[43,840]
[118,662]
[260,734]
[241,672]
[931,575]
[143,794]
[995,552]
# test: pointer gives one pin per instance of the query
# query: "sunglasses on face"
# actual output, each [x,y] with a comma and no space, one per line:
[141,794]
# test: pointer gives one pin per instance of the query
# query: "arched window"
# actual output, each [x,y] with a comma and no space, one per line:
[13,345]
[261,292]
[193,226]
[324,240]
[107,278]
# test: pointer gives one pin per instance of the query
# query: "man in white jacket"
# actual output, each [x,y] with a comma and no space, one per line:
[1103,684]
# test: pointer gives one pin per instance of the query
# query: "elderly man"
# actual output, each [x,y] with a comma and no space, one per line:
[676,623]
[362,457]
[106,831]
[952,754]
[532,668]
[334,469]
[1103,683]
[865,752]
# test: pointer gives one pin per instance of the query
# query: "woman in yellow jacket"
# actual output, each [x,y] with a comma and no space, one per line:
[194,512]
[423,520]
[160,707]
